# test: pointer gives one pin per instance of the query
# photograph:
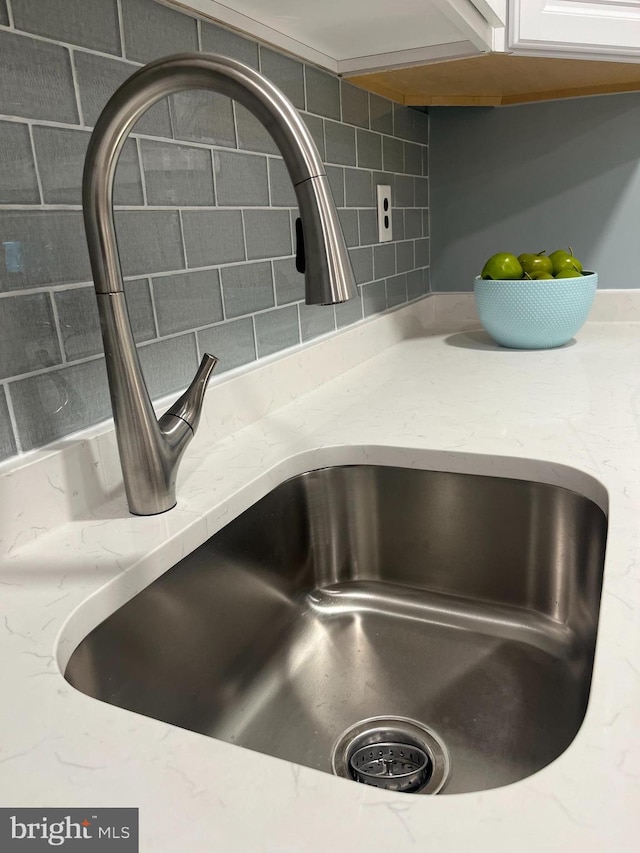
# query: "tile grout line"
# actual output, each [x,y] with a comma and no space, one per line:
[214,178]
[35,163]
[143,178]
[168,140]
[56,322]
[12,416]
[172,335]
[10,14]
[152,296]
[273,287]
[182,240]
[72,46]
[121,27]
[255,336]
[299,321]
[76,87]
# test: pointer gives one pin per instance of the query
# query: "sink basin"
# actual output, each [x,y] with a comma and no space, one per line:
[468,604]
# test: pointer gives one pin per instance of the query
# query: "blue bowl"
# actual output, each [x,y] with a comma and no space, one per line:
[534,314]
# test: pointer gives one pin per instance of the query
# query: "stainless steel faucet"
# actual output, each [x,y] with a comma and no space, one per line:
[150,450]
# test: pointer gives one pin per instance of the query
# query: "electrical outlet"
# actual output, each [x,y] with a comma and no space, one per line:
[385,232]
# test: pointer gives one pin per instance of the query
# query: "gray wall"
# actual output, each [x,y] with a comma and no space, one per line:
[204,209]
[537,177]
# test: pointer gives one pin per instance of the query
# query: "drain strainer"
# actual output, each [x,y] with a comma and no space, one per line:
[393,753]
[395,766]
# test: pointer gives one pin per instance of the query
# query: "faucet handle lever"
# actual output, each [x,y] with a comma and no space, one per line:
[188,407]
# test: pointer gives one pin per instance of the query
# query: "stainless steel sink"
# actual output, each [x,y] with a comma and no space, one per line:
[466,603]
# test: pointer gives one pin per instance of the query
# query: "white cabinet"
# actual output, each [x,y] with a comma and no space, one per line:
[606,29]
[347,36]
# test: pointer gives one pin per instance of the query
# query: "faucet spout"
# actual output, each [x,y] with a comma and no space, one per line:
[150,451]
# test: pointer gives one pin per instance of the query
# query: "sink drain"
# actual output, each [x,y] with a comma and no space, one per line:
[394,753]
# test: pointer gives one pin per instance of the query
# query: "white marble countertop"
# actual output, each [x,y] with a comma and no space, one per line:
[451,401]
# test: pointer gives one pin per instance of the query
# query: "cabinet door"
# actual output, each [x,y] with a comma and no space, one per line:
[604,28]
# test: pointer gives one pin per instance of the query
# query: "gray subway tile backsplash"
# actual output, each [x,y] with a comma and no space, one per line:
[369,147]
[98,78]
[177,174]
[417,283]
[358,188]
[212,237]
[349,312]
[349,222]
[336,182]
[201,116]
[18,181]
[362,263]
[413,158]
[276,330]
[233,343]
[410,124]
[80,322]
[61,152]
[374,298]
[384,260]
[207,229]
[404,256]
[241,179]
[8,445]
[282,192]
[396,290]
[368,221]
[422,252]
[289,283]
[286,73]
[355,105]
[50,405]
[268,233]
[187,301]
[323,93]
[316,320]
[247,288]
[88,23]
[392,154]
[421,186]
[216,39]
[149,241]
[404,192]
[381,111]
[252,134]
[42,247]
[412,223]
[397,218]
[36,79]
[340,141]
[169,364]
[28,339]
[316,128]
[152,30]
[425,222]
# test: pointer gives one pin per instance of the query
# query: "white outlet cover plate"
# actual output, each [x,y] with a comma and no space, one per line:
[385,230]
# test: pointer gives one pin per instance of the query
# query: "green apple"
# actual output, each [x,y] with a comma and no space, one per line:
[563,260]
[535,263]
[569,274]
[541,276]
[502,266]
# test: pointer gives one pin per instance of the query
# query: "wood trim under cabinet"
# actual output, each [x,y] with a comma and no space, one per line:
[497,79]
